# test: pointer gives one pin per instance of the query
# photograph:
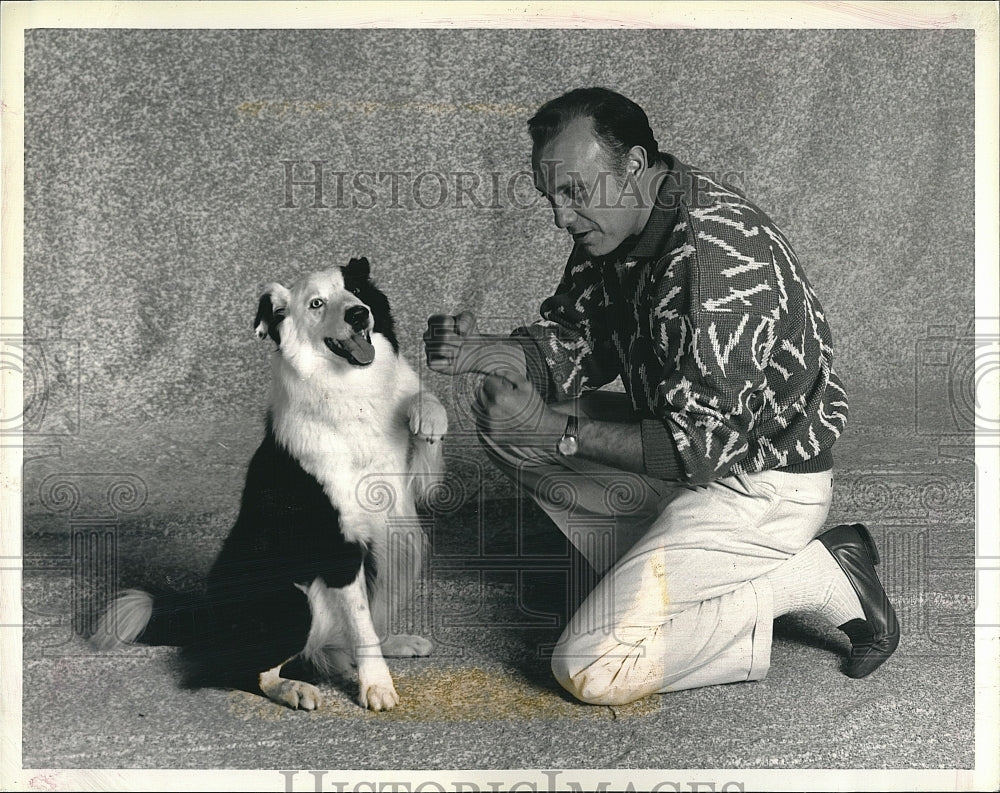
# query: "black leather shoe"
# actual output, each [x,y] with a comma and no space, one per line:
[874,638]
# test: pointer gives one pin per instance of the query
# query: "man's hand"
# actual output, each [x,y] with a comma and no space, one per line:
[509,410]
[444,339]
[454,347]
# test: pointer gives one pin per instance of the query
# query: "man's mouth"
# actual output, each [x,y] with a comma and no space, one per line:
[580,236]
[356,349]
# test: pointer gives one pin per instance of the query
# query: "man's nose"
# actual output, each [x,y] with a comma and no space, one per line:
[563,216]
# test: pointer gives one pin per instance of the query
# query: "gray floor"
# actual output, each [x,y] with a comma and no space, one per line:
[485,699]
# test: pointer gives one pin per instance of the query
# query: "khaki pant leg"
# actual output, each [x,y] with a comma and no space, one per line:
[688,604]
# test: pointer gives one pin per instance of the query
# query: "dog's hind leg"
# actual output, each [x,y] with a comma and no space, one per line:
[406,645]
[293,693]
[252,642]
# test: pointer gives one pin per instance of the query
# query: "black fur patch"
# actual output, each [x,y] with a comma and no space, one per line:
[357,279]
[285,531]
[253,616]
[267,314]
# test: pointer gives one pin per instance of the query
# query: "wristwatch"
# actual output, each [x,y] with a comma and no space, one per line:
[569,443]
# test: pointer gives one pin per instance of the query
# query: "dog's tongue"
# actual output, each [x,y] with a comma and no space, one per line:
[359,348]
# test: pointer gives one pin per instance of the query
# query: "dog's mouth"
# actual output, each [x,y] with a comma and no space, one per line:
[356,349]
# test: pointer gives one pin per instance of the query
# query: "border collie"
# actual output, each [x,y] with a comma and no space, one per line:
[326,549]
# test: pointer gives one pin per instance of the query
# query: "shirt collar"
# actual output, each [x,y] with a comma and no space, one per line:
[663,218]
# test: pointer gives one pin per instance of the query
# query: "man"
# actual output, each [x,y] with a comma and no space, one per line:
[701,492]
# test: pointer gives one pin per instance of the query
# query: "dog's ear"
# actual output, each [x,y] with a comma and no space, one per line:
[270,311]
[358,268]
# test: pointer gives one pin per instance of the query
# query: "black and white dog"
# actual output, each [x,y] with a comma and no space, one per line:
[328,542]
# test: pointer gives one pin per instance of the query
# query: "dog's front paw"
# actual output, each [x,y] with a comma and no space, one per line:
[404,646]
[428,419]
[379,696]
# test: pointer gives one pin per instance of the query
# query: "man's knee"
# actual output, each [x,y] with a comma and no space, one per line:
[591,678]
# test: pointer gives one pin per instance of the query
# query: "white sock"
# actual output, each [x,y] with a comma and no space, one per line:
[813,581]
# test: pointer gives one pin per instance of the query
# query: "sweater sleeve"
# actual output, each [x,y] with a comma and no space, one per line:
[568,350]
[660,455]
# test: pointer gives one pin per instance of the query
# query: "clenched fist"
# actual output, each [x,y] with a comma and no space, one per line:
[510,410]
[444,340]
[454,346]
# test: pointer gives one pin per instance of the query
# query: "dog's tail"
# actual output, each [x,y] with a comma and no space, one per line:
[135,616]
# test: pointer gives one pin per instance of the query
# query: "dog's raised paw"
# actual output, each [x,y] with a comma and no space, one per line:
[405,646]
[295,694]
[379,696]
[428,420]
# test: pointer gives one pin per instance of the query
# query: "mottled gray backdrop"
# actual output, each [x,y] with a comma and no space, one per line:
[158,165]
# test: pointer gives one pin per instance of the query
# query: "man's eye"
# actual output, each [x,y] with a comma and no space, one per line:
[317,302]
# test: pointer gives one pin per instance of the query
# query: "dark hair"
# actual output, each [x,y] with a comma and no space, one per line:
[619,123]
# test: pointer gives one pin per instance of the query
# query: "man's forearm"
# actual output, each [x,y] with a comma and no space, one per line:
[624,444]
[613,444]
[492,354]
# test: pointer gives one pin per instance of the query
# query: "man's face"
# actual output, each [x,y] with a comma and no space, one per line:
[572,171]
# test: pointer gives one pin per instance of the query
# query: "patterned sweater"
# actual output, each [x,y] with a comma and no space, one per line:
[717,336]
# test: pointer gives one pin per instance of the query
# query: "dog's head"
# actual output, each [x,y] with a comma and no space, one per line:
[332,314]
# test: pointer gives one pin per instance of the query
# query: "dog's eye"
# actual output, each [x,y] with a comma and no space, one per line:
[354,290]
[317,302]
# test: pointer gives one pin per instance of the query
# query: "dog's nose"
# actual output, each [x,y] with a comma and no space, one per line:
[357,317]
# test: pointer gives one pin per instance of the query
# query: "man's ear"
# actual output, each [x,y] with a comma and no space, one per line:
[271,310]
[635,161]
[358,268]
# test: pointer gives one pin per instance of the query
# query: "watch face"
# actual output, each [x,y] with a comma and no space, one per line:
[568,445]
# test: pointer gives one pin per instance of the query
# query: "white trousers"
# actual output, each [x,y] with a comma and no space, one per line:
[683,600]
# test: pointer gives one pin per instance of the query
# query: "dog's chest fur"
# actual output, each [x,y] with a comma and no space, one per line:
[350,433]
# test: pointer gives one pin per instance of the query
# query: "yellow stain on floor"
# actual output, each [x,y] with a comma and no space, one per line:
[448,694]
